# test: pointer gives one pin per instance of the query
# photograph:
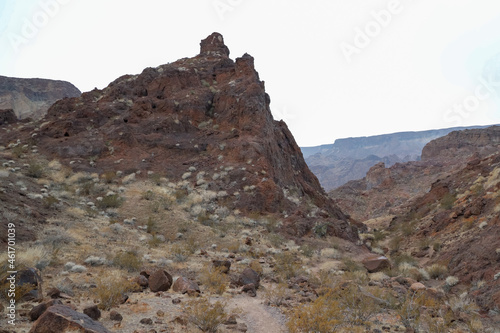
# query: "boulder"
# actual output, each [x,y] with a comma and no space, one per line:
[160,280]
[61,318]
[93,312]
[376,263]
[115,316]
[249,276]
[38,310]
[32,277]
[184,285]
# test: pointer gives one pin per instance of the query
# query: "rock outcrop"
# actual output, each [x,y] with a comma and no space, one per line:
[31,98]
[351,158]
[205,120]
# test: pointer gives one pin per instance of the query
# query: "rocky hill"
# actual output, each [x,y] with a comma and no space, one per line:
[31,98]
[451,198]
[205,121]
[351,158]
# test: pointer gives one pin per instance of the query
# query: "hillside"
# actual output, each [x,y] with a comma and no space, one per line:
[171,201]
[351,158]
[31,98]
[450,198]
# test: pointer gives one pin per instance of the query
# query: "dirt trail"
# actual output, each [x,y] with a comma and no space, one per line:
[259,317]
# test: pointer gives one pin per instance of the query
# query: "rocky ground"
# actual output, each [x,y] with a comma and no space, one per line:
[102,243]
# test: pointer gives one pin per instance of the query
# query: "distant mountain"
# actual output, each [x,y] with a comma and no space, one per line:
[31,98]
[351,158]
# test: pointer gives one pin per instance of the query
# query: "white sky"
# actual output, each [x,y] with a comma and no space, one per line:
[427,58]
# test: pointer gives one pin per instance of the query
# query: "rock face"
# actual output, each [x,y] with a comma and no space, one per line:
[351,158]
[205,120]
[31,98]
[60,318]
[451,197]
[386,190]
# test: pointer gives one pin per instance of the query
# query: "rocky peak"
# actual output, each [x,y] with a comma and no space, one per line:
[203,121]
[214,45]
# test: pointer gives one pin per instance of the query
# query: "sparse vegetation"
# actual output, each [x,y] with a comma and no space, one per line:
[205,315]
[214,280]
[110,201]
[128,260]
[111,289]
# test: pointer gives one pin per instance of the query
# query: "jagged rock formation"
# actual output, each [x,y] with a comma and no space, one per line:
[205,120]
[31,98]
[351,158]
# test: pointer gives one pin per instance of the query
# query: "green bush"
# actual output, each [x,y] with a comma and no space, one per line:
[110,201]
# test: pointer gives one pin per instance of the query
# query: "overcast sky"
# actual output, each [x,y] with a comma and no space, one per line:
[333,68]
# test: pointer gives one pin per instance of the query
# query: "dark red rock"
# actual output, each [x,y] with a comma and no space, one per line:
[376,263]
[249,276]
[93,312]
[142,281]
[61,318]
[250,290]
[54,293]
[160,280]
[115,316]
[195,112]
[38,310]
[184,285]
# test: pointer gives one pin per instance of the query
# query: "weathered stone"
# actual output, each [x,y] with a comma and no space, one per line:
[184,285]
[142,281]
[249,276]
[61,318]
[54,293]
[376,263]
[417,286]
[38,310]
[115,316]
[93,312]
[250,290]
[160,280]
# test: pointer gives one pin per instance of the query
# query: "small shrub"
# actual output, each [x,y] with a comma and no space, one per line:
[448,200]
[127,260]
[35,170]
[320,229]
[277,294]
[148,195]
[287,265]
[352,266]
[50,202]
[155,242]
[111,289]
[307,250]
[436,246]
[404,258]
[321,316]
[214,280]
[151,226]
[179,253]
[451,281]
[180,195]
[437,271]
[108,177]
[110,201]
[204,315]
[395,243]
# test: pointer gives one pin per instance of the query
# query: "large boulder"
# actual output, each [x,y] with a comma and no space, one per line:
[63,319]
[160,280]
[184,285]
[376,263]
[249,276]
[38,310]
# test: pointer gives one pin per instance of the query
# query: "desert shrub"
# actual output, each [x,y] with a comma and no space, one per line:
[180,195]
[271,224]
[378,236]
[110,201]
[205,315]
[127,260]
[448,200]
[155,242]
[408,228]
[214,280]
[50,201]
[352,266]
[436,246]
[151,226]
[287,265]
[357,308]
[111,289]
[437,271]
[321,316]
[307,250]
[256,266]
[148,195]
[35,170]
[395,243]
[277,294]
[410,308]
[320,229]
[403,258]
[108,177]
[276,239]
[179,252]
[451,281]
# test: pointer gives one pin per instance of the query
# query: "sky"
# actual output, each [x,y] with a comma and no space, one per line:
[333,68]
